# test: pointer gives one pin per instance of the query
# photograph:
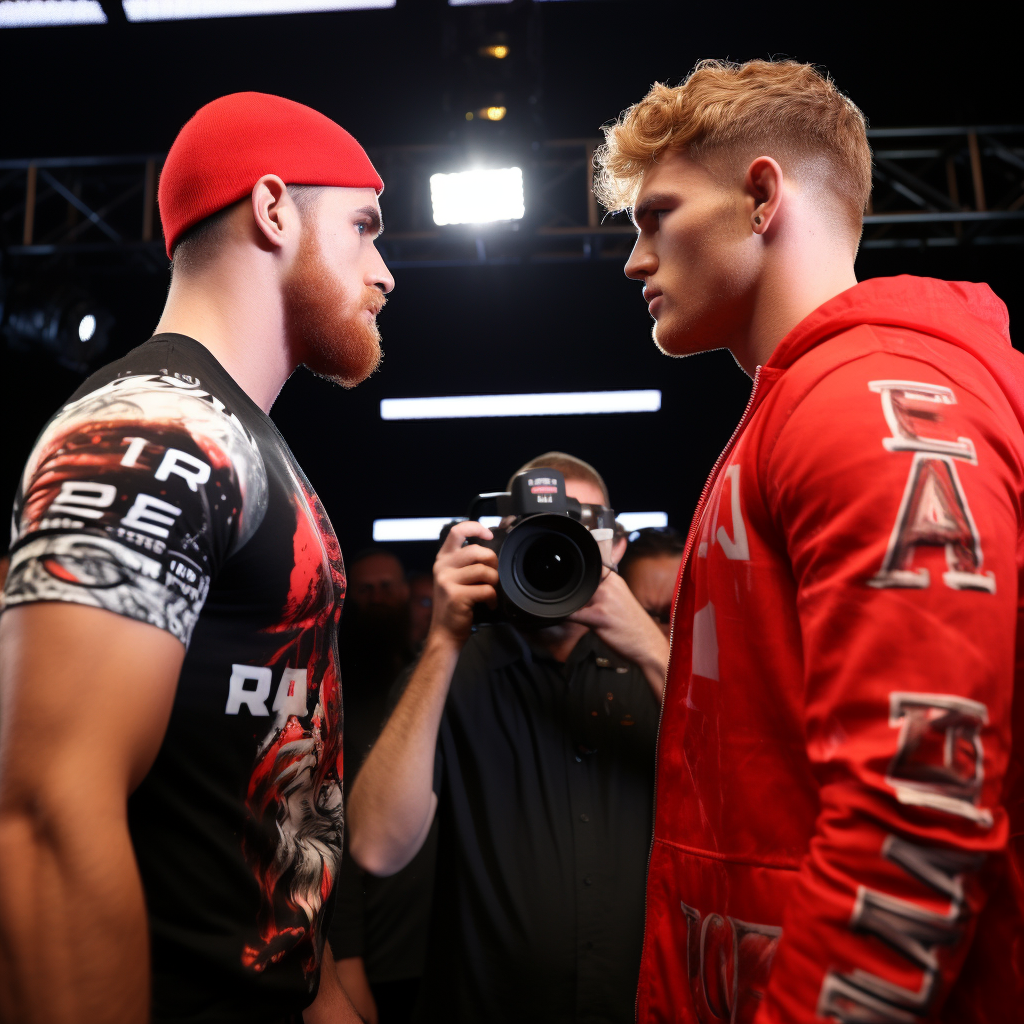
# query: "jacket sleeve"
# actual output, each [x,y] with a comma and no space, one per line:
[897,491]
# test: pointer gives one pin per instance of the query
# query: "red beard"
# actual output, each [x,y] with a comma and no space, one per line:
[327,326]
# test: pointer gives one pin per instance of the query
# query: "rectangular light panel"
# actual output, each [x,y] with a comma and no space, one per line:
[33,13]
[568,403]
[183,10]
[419,529]
[475,3]
[392,530]
[641,520]
[477,197]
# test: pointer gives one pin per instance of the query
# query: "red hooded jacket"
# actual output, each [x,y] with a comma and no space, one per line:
[839,831]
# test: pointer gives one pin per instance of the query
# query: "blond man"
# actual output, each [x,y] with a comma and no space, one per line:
[837,783]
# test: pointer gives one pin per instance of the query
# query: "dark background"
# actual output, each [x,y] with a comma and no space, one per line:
[406,76]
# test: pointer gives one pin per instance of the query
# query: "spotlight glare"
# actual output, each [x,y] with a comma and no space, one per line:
[86,327]
[477,197]
[493,113]
[498,52]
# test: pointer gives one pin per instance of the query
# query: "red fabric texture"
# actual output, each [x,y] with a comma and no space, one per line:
[839,830]
[229,144]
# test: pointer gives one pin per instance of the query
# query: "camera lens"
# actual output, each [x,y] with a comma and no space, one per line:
[550,565]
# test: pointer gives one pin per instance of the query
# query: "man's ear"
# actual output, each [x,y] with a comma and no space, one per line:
[763,185]
[273,211]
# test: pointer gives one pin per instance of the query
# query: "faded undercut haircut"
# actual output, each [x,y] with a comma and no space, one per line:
[781,109]
[197,246]
[570,467]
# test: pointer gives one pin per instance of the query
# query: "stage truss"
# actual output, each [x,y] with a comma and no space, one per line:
[933,187]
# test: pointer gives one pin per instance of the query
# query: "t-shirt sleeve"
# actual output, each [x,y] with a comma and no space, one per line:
[132,499]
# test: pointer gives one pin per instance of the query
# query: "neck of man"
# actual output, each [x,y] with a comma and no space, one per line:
[234,307]
[804,267]
[559,640]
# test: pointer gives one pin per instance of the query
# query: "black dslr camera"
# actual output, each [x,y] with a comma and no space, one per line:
[549,563]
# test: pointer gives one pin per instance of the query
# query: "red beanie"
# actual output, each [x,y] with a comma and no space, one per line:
[229,144]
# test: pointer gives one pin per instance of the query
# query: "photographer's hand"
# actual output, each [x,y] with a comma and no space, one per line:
[616,616]
[463,577]
[393,802]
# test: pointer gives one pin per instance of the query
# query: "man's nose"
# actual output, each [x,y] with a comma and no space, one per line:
[380,277]
[641,263]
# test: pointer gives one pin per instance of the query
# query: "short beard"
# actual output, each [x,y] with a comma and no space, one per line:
[326,327]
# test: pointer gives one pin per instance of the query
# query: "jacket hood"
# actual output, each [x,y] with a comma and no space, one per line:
[967,315]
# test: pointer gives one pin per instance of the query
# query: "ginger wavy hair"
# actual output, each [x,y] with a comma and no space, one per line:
[782,109]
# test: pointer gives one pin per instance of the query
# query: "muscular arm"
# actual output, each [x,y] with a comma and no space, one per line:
[392,803]
[332,1004]
[85,696]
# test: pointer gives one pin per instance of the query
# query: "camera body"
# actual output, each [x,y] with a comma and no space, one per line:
[549,562]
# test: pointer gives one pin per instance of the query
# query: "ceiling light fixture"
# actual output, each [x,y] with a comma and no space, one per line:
[477,197]
[389,531]
[186,10]
[38,13]
[568,403]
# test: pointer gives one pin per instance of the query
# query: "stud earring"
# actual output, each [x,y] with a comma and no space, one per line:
[757,220]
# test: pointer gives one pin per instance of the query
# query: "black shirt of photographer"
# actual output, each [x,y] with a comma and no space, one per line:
[545,779]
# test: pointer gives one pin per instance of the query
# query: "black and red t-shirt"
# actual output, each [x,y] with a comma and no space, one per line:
[161,492]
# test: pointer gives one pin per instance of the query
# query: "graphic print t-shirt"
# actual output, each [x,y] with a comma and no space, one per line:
[162,493]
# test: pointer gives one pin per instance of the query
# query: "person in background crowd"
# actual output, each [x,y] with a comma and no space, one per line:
[650,567]
[374,646]
[379,930]
[534,751]
[377,579]
[840,808]
[171,705]
[421,606]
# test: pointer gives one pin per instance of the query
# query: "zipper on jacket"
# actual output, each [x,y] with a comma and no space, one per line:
[698,517]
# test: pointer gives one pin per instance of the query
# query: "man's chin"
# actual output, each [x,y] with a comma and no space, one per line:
[677,340]
[348,365]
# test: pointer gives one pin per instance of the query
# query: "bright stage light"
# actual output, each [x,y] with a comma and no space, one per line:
[29,13]
[86,328]
[66,324]
[499,52]
[183,10]
[391,530]
[477,197]
[569,403]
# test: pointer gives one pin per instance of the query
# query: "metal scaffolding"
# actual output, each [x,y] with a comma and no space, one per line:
[953,186]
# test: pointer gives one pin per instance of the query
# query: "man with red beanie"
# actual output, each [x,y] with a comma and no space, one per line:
[840,797]
[171,709]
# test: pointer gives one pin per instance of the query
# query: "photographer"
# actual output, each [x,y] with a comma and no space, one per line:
[538,747]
